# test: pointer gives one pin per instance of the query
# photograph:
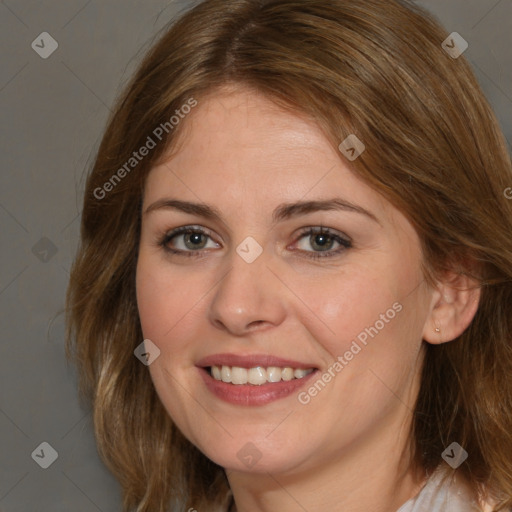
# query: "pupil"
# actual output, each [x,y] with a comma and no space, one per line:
[321,240]
[194,239]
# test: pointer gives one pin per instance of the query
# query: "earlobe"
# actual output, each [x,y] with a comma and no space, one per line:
[454,305]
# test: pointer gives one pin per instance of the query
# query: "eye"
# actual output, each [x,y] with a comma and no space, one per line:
[322,240]
[190,240]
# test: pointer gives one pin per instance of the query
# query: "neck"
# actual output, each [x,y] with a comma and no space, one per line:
[376,475]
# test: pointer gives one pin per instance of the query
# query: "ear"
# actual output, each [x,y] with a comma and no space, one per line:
[454,304]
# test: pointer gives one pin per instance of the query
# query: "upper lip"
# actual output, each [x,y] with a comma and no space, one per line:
[250,361]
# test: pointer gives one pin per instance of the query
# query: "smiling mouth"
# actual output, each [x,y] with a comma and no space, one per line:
[257,375]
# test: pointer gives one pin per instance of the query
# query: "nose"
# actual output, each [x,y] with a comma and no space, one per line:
[249,296]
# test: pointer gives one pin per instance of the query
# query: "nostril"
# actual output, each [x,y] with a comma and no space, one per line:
[256,323]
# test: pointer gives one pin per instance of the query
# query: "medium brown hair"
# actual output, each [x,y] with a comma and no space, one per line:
[434,149]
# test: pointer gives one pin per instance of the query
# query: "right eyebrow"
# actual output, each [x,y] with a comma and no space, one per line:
[199,209]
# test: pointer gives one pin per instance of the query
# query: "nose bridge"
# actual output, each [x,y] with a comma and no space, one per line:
[248,293]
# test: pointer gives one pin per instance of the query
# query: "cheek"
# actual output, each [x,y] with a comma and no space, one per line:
[165,314]
[335,308]
[370,313]
[162,297]
[171,306]
[345,305]
[150,301]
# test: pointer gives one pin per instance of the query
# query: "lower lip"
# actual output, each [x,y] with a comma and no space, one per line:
[248,394]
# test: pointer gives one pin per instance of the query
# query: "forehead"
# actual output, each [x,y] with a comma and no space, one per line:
[238,147]
[240,122]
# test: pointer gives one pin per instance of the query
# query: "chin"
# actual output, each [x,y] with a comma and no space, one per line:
[255,457]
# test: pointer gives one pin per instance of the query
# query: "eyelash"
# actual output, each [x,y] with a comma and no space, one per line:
[345,243]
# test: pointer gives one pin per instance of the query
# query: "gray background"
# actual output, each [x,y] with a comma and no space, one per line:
[53,113]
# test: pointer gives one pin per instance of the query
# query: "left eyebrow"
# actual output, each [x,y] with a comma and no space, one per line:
[282,212]
[289,210]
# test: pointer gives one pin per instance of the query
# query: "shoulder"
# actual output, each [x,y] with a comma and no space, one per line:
[447,491]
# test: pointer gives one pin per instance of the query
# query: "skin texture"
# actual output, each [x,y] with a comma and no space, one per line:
[347,448]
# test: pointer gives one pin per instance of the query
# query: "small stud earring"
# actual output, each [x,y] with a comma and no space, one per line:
[437,329]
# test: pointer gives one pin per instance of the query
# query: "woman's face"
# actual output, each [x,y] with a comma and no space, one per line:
[245,291]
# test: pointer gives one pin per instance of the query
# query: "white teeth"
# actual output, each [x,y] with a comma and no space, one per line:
[238,375]
[216,373]
[273,374]
[226,374]
[287,373]
[257,375]
[298,374]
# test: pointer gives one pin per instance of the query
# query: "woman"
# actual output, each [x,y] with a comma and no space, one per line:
[294,287]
